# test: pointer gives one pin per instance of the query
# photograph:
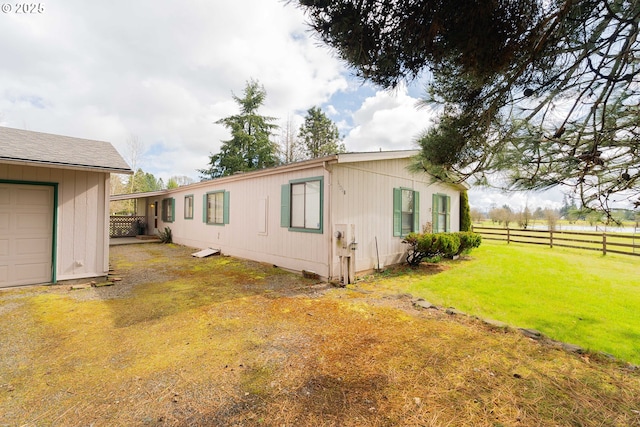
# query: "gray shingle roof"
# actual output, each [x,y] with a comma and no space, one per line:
[44,149]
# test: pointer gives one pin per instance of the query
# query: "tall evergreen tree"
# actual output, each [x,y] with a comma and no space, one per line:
[319,135]
[545,92]
[250,146]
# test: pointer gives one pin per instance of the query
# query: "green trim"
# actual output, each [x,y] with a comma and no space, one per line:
[282,205]
[285,208]
[54,238]
[437,199]
[416,211]
[225,208]
[397,211]
[163,215]
[188,196]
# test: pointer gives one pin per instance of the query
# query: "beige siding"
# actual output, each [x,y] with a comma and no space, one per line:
[363,195]
[82,229]
[359,193]
[254,230]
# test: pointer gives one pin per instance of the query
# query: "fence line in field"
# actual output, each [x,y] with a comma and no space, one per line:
[604,242]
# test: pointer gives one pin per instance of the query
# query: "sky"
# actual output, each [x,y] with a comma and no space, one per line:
[163,72]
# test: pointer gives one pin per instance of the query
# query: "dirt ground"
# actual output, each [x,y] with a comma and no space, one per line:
[183,341]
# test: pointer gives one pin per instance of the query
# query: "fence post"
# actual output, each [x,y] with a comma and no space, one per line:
[508,236]
[551,239]
[604,243]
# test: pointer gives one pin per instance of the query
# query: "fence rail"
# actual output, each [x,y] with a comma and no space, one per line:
[126,226]
[618,243]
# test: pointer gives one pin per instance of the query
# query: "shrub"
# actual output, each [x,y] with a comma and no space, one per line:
[165,236]
[468,240]
[439,245]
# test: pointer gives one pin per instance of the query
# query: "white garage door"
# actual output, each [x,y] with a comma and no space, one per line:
[26,234]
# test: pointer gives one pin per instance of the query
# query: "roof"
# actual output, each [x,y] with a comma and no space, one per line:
[43,149]
[353,157]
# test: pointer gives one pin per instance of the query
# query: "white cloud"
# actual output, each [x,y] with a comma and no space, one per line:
[389,120]
[162,71]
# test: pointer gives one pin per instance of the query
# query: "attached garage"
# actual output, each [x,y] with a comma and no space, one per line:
[54,207]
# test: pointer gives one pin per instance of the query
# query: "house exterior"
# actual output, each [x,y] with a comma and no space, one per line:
[335,216]
[54,207]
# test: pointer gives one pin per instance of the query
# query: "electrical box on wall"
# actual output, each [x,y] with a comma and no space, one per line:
[345,238]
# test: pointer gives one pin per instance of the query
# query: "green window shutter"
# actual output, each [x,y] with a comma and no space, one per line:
[225,208]
[285,196]
[448,201]
[397,212]
[434,212]
[416,212]
[173,209]
[204,208]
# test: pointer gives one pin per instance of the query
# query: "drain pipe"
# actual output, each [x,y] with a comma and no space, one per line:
[329,222]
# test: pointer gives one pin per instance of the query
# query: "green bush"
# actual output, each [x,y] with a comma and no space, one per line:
[165,236]
[468,240]
[439,245]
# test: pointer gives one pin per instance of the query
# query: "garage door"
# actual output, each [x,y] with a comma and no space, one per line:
[26,234]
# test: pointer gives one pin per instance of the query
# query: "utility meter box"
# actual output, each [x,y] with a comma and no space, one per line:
[345,238]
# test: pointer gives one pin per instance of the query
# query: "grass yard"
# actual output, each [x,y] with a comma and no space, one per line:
[572,296]
[218,341]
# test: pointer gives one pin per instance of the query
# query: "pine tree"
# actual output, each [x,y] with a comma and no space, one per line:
[319,135]
[250,146]
[546,93]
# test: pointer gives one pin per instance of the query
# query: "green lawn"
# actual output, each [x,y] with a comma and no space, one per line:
[576,297]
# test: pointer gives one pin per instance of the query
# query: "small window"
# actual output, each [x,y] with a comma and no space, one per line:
[168,210]
[301,207]
[441,210]
[216,208]
[188,207]
[406,219]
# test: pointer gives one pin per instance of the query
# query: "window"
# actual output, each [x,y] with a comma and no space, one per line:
[188,207]
[301,205]
[406,206]
[168,209]
[216,208]
[441,211]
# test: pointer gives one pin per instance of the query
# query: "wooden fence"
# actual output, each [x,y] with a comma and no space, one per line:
[126,226]
[626,244]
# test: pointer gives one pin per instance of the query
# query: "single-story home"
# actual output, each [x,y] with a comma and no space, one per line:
[54,207]
[335,216]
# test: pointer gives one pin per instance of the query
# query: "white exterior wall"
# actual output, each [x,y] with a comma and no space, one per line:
[362,194]
[82,234]
[254,230]
[359,193]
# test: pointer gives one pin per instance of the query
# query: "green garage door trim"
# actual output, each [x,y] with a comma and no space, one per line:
[54,239]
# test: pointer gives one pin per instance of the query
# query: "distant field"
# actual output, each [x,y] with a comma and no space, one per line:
[573,296]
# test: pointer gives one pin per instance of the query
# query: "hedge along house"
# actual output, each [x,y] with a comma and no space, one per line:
[335,216]
[54,207]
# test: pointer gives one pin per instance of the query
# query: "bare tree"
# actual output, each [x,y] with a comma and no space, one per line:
[135,150]
[290,149]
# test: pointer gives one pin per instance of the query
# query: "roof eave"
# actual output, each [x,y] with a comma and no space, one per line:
[57,165]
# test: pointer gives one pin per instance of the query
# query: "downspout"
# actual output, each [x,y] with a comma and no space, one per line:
[329,222]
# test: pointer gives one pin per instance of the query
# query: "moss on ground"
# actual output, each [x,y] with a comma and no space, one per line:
[220,341]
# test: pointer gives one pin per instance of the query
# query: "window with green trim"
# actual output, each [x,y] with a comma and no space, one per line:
[168,210]
[441,212]
[301,205]
[406,215]
[188,207]
[216,208]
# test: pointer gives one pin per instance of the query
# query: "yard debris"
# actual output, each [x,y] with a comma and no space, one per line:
[420,302]
[80,286]
[531,333]
[206,252]
[310,275]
